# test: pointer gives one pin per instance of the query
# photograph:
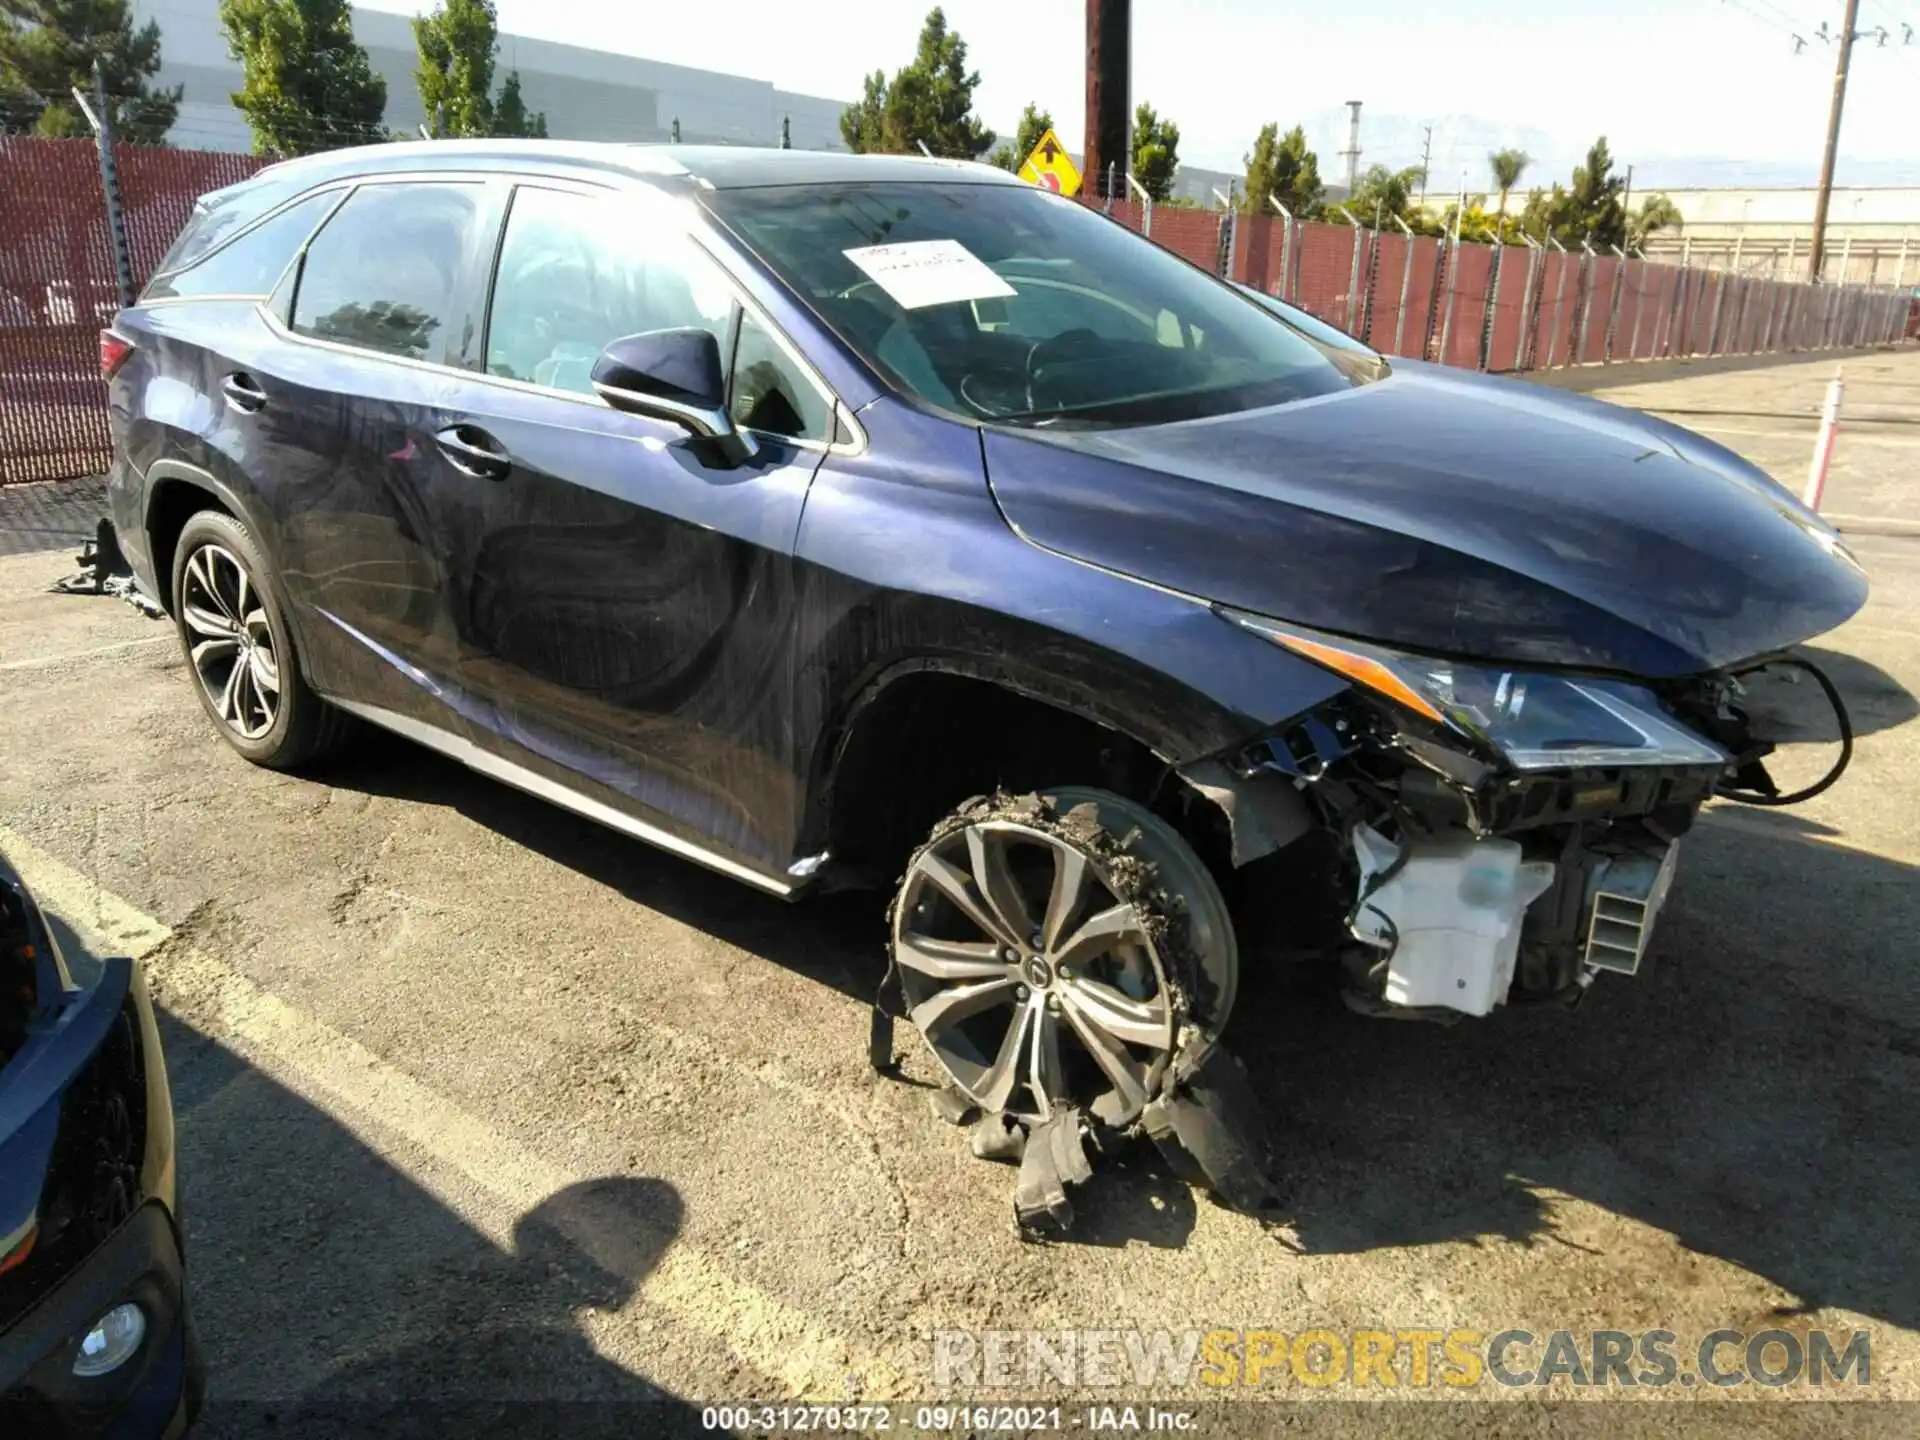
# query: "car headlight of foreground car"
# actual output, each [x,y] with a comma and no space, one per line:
[1534,720]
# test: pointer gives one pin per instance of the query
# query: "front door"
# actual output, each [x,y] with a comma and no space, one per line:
[623,606]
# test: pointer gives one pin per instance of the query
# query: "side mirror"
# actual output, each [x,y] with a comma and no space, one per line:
[673,375]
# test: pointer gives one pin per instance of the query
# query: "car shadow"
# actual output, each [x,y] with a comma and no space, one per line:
[334,1296]
[837,939]
[1749,1092]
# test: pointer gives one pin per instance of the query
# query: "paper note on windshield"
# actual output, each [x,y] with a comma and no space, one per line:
[918,273]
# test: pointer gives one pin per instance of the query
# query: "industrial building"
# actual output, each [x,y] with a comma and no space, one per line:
[585,94]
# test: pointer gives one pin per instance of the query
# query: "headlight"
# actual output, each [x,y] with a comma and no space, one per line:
[1537,721]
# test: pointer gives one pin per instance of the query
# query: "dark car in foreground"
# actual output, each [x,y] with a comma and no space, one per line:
[838,520]
[94,1338]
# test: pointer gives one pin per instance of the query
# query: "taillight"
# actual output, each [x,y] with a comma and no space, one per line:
[114,350]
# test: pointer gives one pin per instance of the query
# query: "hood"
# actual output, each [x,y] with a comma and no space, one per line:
[1452,514]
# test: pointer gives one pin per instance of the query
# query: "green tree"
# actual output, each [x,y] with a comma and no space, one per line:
[1034,122]
[1507,167]
[306,82]
[1390,192]
[928,102]
[47,47]
[1657,213]
[1156,152]
[1592,208]
[456,45]
[1282,167]
[510,113]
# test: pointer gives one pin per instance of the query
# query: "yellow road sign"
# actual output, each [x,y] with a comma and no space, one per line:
[1049,166]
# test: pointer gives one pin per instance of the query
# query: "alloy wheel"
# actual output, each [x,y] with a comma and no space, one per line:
[230,641]
[1032,977]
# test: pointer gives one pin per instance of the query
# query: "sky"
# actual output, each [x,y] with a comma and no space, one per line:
[1689,91]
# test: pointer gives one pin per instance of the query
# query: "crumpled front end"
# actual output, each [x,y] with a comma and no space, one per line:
[1499,837]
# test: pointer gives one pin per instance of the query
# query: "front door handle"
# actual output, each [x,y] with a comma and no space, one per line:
[242,393]
[472,451]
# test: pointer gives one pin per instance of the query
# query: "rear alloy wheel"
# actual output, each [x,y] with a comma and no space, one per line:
[231,644]
[1047,953]
[237,643]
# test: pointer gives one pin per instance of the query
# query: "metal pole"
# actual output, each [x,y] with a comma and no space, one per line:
[100,117]
[1529,305]
[1900,270]
[1490,309]
[1639,304]
[1353,275]
[1373,278]
[1583,302]
[1453,273]
[1816,252]
[1146,204]
[1613,306]
[1559,297]
[1406,280]
[1286,244]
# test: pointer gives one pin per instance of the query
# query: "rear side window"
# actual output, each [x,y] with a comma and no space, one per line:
[252,263]
[382,274]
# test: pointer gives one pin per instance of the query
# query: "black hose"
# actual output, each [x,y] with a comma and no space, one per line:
[1826,782]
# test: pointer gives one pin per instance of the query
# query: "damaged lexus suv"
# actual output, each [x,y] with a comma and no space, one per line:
[850,520]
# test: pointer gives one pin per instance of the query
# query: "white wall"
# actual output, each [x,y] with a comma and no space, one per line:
[586,94]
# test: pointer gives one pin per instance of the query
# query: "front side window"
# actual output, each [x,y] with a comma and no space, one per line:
[579,270]
[382,274]
[251,264]
[1005,305]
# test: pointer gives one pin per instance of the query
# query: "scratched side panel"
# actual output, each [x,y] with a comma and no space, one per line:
[907,563]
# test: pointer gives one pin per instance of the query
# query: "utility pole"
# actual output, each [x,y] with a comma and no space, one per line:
[1426,161]
[1352,152]
[1109,73]
[1816,252]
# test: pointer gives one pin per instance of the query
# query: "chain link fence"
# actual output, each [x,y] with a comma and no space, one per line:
[58,287]
[1478,307]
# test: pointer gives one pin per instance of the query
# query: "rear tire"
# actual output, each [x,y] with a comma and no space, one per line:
[239,648]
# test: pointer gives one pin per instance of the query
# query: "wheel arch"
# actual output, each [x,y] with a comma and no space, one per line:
[925,732]
[176,491]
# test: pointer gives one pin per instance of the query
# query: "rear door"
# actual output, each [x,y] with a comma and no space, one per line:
[623,607]
[371,318]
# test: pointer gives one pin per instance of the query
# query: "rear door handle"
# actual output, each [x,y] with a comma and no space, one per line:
[472,451]
[242,393]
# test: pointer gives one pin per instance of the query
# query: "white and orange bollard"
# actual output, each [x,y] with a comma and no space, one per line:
[1823,446]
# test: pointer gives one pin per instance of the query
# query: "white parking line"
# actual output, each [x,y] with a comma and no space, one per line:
[366,1095]
[47,662]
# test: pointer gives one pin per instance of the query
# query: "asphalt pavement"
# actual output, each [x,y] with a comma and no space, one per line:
[490,1117]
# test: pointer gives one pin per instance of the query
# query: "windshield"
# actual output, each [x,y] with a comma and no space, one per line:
[1005,304]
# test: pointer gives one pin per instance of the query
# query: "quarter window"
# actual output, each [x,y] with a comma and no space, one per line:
[382,274]
[770,393]
[251,264]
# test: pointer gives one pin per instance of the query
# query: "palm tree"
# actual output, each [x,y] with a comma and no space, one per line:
[1507,166]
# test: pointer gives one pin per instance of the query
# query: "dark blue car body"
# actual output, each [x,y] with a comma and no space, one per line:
[685,650]
[88,1200]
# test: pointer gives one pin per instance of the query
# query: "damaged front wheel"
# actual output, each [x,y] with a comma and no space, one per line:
[1058,950]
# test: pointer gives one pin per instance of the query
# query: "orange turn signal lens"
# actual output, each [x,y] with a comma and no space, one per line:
[1364,669]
